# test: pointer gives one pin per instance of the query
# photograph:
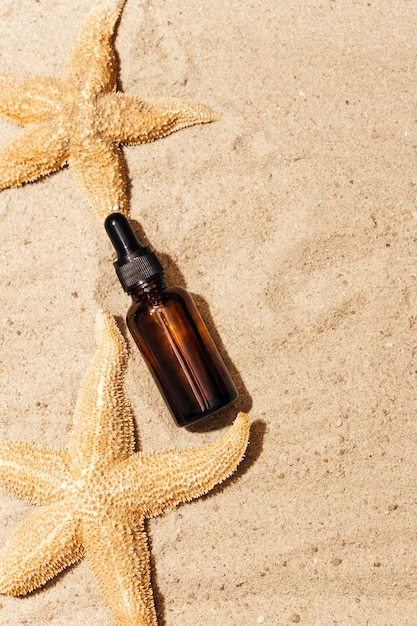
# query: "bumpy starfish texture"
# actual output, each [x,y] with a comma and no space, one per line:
[94,495]
[81,119]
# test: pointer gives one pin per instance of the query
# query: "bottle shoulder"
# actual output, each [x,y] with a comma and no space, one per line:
[177,292]
[166,297]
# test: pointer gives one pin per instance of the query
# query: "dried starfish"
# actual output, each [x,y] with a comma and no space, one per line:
[80,119]
[94,495]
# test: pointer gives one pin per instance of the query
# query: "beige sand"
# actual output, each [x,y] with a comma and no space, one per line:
[293,220]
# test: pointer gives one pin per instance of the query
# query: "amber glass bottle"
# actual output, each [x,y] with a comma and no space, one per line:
[169,331]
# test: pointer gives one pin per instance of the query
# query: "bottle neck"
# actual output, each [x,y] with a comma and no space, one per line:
[149,291]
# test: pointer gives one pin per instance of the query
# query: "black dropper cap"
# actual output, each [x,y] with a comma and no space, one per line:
[135,264]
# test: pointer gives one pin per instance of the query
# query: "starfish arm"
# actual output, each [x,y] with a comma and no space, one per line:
[91,67]
[33,473]
[116,549]
[98,167]
[130,119]
[27,100]
[159,481]
[36,151]
[44,545]
[103,423]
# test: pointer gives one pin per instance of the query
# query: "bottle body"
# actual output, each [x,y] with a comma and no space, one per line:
[179,351]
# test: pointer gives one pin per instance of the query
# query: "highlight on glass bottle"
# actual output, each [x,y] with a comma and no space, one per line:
[169,331]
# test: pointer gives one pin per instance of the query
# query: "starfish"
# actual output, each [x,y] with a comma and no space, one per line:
[95,495]
[81,119]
